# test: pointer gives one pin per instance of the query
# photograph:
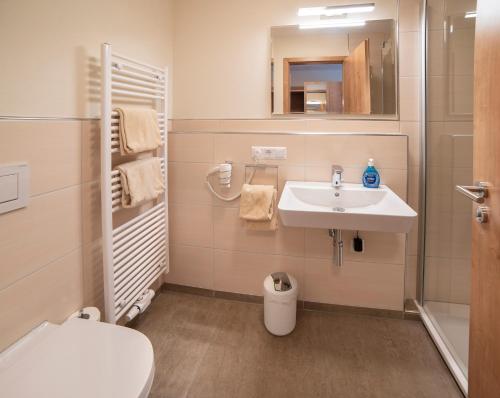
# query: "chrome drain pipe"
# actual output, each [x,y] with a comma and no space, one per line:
[338,246]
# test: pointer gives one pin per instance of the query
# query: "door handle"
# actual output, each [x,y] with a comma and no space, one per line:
[476,192]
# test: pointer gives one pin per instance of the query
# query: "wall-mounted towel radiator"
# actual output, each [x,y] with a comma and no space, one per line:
[135,252]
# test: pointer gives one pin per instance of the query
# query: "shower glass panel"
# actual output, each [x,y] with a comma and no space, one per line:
[449,107]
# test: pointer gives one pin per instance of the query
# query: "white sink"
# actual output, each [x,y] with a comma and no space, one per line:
[351,206]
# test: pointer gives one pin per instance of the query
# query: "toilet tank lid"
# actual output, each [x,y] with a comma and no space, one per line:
[79,359]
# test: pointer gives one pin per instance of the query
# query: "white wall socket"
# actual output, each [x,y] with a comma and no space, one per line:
[269,152]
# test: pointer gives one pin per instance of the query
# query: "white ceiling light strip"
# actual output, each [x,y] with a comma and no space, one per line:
[336,10]
[343,23]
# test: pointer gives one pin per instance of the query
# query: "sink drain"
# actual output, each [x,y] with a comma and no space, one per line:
[338,209]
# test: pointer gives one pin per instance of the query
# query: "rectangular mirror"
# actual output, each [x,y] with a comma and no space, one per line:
[340,60]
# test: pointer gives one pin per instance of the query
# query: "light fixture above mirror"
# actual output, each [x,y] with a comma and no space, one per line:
[332,23]
[330,11]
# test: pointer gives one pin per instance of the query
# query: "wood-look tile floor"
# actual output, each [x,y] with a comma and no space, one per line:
[209,347]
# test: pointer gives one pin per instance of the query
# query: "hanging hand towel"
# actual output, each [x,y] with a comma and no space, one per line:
[141,180]
[257,207]
[138,129]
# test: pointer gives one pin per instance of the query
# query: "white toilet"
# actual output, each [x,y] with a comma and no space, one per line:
[78,359]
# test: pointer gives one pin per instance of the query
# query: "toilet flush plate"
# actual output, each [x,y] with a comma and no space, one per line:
[14,186]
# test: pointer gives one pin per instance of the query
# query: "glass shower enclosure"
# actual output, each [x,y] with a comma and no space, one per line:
[446,243]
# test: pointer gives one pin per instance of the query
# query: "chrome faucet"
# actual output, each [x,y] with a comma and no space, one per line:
[337,172]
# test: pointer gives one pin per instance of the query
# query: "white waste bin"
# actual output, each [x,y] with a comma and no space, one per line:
[280,303]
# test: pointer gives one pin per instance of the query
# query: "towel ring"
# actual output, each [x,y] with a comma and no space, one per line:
[255,166]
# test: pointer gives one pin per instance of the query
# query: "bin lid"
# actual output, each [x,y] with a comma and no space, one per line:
[281,281]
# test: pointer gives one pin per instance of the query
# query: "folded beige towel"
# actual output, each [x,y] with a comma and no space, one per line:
[257,207]
[141,180]
[138,130]
[271,225]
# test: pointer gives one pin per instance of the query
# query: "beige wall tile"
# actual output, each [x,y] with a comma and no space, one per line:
[436,53]
[190,225]
[50,294]
[439,189]
[438,234]
[437,102]
[462,51]
[409,54]
[396,180]
[440,145]
[191,148]
[460,281]
[435,12]
[191,266]
[462,151]
[289,173]
[441,193]
[413,238]
[437,284]
[412,130]
[411,277]
[461,235]
[187,183]
[34,236]
[262,125]
[414,187]
[379,247]
[464,127]
[91,150]
[409,15]
[51,148]
[230,233]
[238,147]
[352,126]
[92,274]
[194,125]
[461,96]
[459,6]
[244,273]
[355,150]
[91,212]
[409,98]
[356,284]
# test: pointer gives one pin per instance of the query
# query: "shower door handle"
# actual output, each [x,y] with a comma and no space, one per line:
[476,192]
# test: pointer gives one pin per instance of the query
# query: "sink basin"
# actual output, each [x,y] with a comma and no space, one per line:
[351,206]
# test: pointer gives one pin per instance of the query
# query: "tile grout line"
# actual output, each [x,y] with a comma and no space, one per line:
[42,267]
[281,255]
[65,188]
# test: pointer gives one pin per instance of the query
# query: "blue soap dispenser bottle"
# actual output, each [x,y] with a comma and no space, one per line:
[371,178]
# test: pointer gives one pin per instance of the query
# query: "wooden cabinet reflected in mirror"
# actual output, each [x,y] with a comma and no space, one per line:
[348,71]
